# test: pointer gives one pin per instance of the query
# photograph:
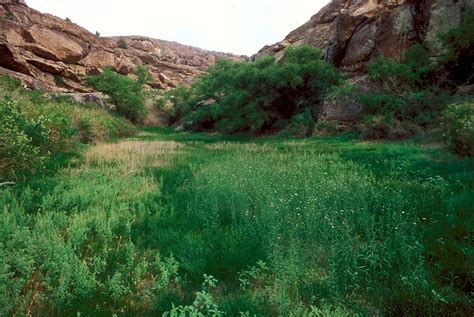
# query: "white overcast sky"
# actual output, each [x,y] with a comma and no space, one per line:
[235,26]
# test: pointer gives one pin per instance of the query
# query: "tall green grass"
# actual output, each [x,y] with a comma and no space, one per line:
[314,227]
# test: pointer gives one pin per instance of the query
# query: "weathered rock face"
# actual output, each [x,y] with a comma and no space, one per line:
[352,32]
[40,48]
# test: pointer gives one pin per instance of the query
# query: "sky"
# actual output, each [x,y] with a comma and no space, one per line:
[233,26]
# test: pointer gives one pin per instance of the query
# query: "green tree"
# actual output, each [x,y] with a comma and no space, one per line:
[258,96]
[123,91]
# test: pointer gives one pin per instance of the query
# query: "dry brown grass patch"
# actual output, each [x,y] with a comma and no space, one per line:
[133,155]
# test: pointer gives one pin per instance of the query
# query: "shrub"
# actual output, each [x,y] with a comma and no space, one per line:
[406,91]
[302,124]
[411,91]
[176,103]
[59,80]
[326,127]
[124,92]
[376,104]
[35,128]
[122,44]
[9,16]
[20,141]
[391,74]
[459,43]
[84,131]
[257,96]
[459,128]
[386,127]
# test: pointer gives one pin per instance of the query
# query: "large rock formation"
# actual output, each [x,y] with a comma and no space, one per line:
[53,54]
[352,32]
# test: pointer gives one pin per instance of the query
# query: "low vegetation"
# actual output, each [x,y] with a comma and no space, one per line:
[36,129]
[207,225]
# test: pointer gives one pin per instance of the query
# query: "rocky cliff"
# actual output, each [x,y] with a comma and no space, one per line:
[49,53]
[352,32]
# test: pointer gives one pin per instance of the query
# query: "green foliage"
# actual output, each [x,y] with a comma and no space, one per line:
[417,57]
[66,249]
[97,33]
[203,304]
[21,141]
[257,96]
[313,227]
[34,128]
[9,84]
[459,43]
[176,103]
[68,20]
[386,104]
[400,77]
[59,80]
[9,16]
[405,96]
[459,128]
[122,44]
[326,127]
[378,127]
[124,92]
[392,74]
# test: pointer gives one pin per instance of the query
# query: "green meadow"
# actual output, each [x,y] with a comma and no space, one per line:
[189,224]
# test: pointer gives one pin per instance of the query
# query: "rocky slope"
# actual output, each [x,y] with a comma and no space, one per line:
[53,54]
[353,32]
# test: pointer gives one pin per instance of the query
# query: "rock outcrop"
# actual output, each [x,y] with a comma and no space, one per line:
[50,53]
[351,33]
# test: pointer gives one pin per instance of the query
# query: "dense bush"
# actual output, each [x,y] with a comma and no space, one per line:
[34,128]
[23,141]
[459,43]
[416,90]
[405,95]
[124,92]
[176,103]
[122,44]
[257,96]
[459,128]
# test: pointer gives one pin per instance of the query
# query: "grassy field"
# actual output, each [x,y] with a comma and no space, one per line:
[264,227]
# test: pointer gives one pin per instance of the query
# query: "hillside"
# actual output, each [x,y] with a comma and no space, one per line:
[49,53]
[351,33]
